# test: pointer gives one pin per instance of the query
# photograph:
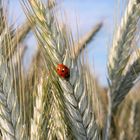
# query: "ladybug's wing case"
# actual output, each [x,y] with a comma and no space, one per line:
[63,71]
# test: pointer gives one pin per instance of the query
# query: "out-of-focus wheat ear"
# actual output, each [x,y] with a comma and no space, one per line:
[99,97]
[19,35]
[2,17]
[126,83]
[38,108]
[108,121]
[136,125]
[132,119]
[10,118]
[5,34]
[11,124]
[122,42]
[7,122]
[51,4]
[42,100]
[87,38]
[18,55]
[40,121]
[31,80]
[128,111]
[22,85]
[16,37]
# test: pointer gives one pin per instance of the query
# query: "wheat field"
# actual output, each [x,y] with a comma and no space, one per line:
[54,102]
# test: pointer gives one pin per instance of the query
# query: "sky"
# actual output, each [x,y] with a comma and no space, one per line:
[81,16]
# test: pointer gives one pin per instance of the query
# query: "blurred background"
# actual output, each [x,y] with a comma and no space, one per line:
[81,17]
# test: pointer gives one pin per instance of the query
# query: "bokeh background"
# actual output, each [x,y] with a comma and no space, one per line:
[80,16]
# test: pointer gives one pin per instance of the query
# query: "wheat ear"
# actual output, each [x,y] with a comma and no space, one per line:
[120,50]
[40,121]
[121,47]
[128,111]
[10,119]
[19,36]
[57,126]
[77,106]
[126,83]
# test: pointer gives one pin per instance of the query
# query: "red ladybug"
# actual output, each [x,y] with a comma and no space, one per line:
[63,71]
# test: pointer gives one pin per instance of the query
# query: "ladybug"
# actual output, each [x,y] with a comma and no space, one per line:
[63,71]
